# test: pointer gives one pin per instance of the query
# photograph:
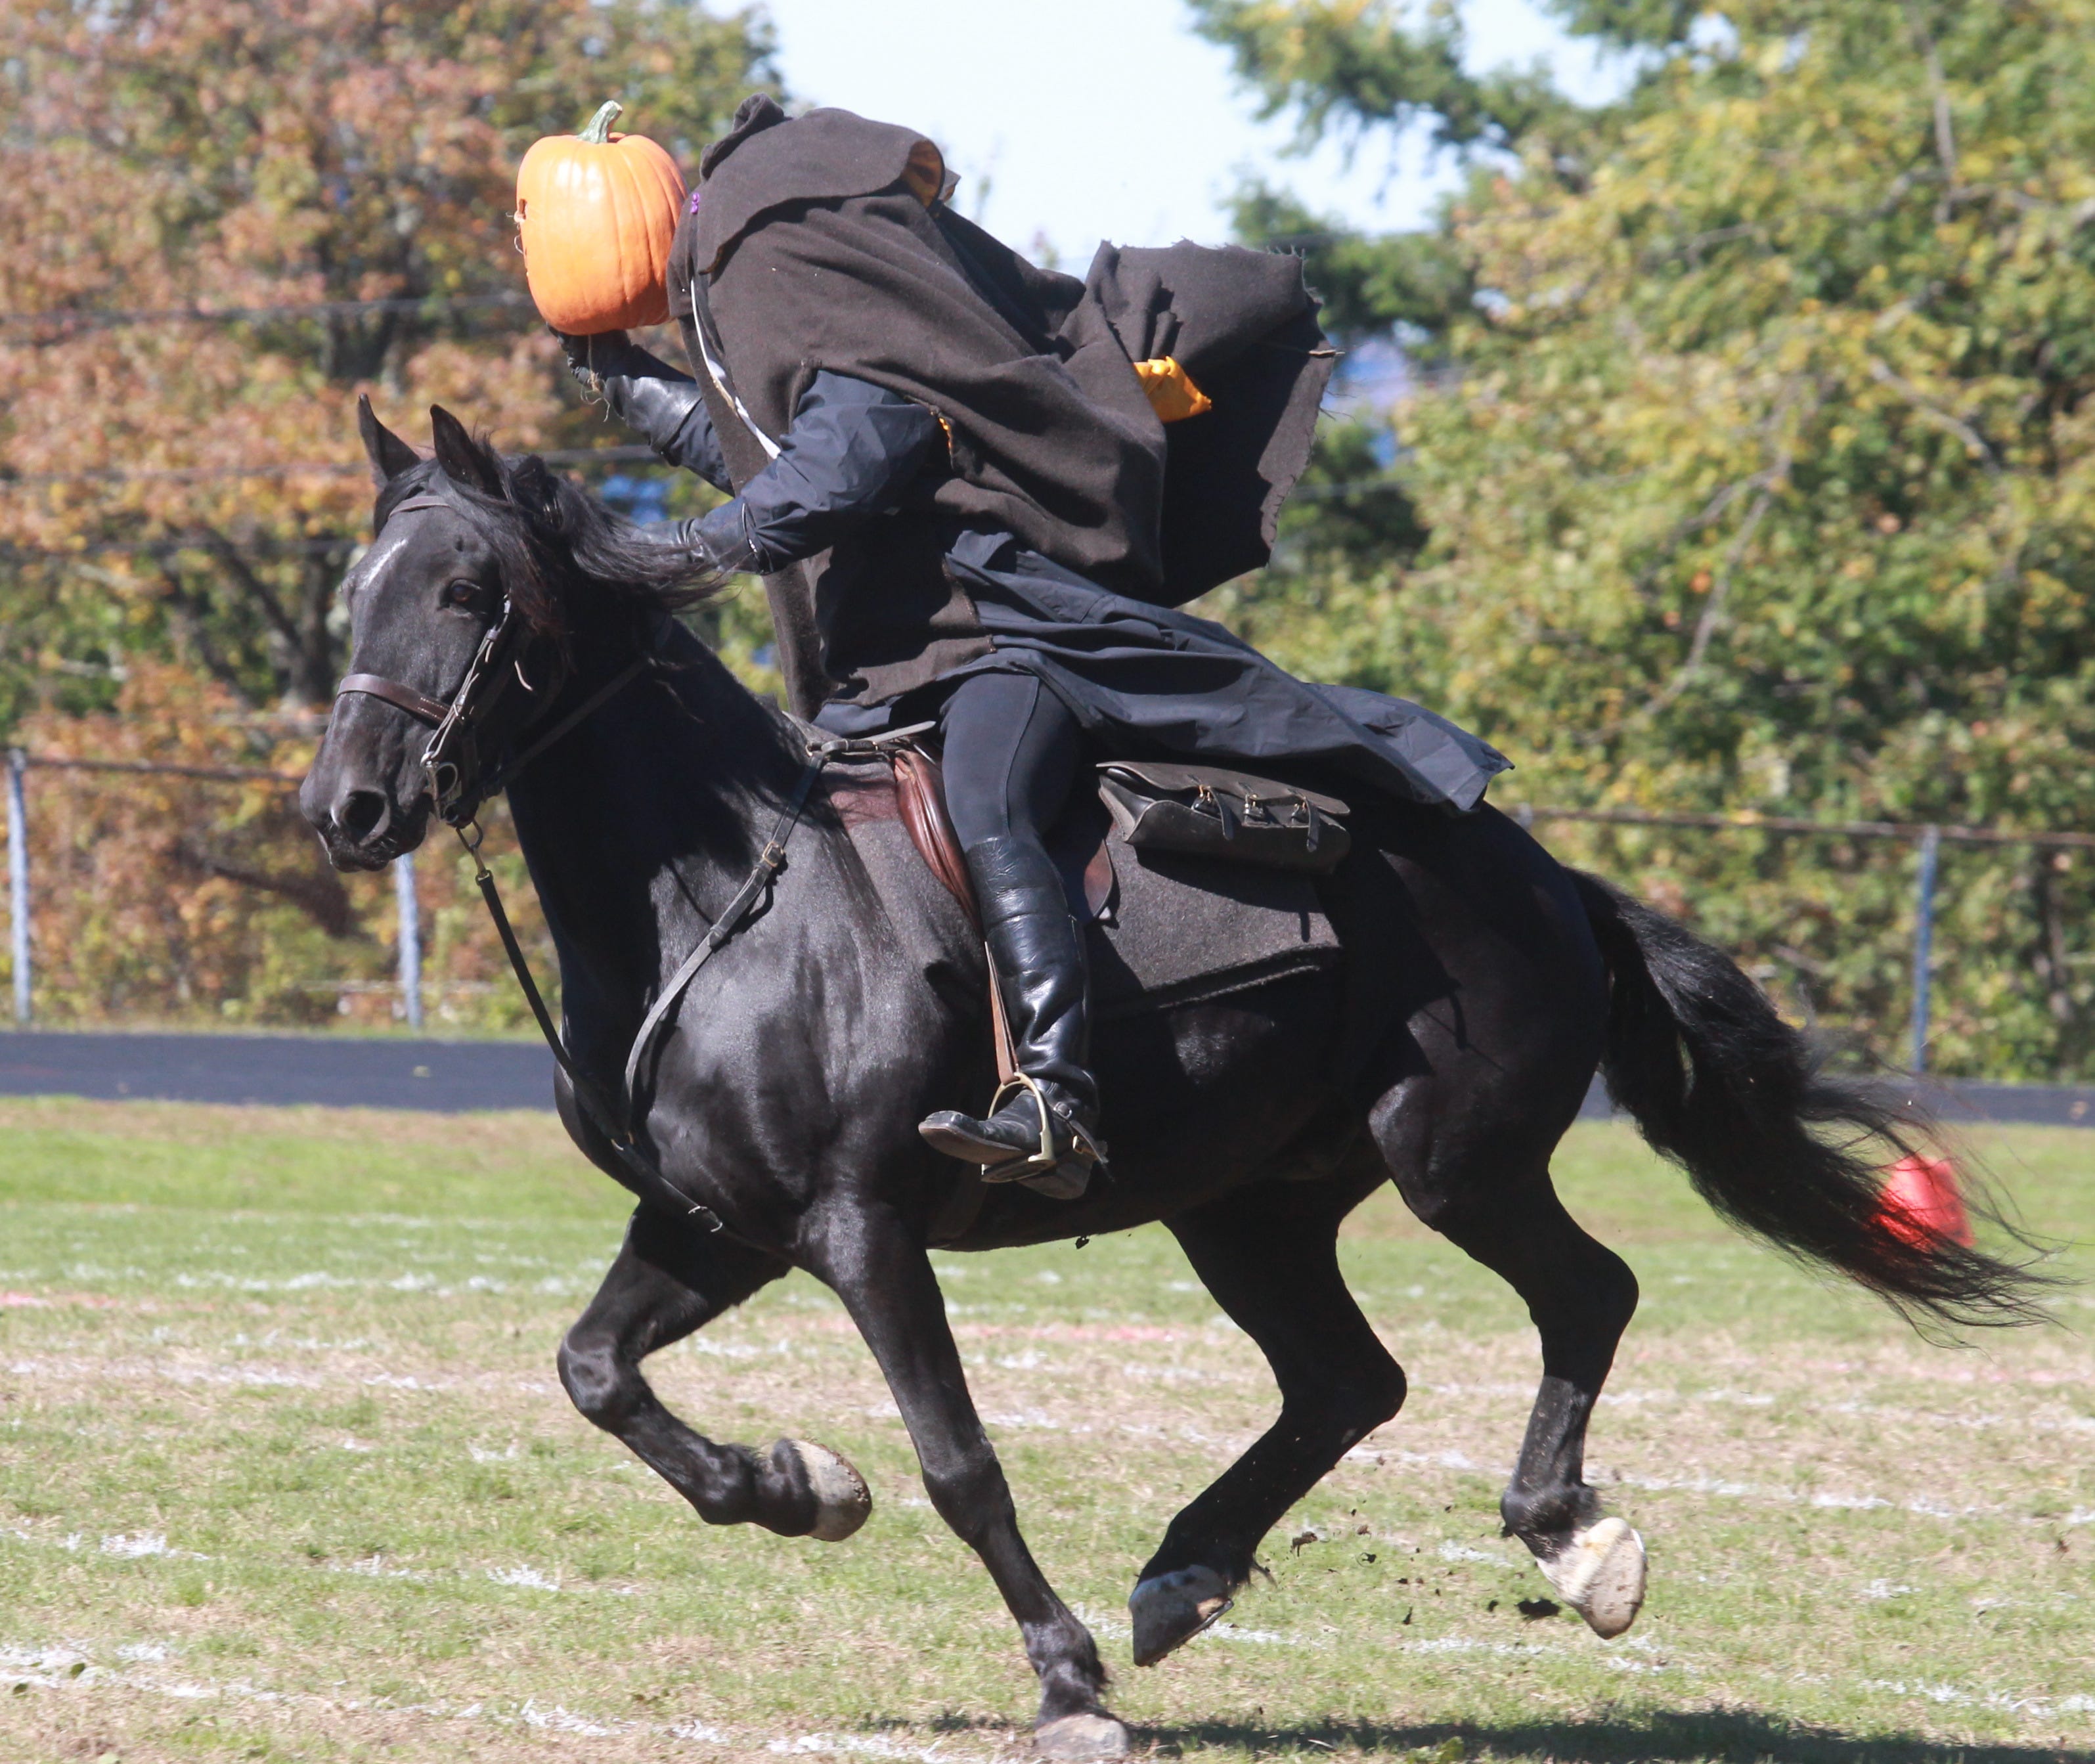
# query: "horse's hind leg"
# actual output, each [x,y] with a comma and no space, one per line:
[1581,1295]
[669,1279]
[1269,1255]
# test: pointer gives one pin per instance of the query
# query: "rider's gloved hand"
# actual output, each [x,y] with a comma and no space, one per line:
[645,392]
[609,356]
[723,539]
[578,350]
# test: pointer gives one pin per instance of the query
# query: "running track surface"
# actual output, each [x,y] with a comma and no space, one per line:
[450,1077]
[334,1071]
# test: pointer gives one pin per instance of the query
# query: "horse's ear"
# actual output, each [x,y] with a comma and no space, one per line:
[388,454]
[464,461]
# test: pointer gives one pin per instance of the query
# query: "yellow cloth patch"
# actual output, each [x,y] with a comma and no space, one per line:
[1171,391]
[926,173]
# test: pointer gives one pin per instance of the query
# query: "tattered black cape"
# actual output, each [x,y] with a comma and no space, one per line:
[809,249]
[813,252]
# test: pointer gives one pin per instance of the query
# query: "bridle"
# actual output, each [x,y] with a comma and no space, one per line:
[454,761]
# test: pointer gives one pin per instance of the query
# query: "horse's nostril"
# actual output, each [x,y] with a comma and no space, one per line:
[359,814]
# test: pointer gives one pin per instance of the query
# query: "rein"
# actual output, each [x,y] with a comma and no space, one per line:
[616,1119]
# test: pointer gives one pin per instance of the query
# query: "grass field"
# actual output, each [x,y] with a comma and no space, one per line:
[284,1473]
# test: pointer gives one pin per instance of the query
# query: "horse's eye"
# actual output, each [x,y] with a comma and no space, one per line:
[461,594]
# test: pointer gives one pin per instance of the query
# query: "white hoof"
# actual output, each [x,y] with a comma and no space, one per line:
[843,1502]
[1171,1609]
[1082,1736]
[1600,1576]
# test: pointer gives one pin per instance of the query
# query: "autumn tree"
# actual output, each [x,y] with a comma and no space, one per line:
[1756,471]
[342,172]
[226,219]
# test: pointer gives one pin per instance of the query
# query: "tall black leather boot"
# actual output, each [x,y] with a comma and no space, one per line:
[1037,951]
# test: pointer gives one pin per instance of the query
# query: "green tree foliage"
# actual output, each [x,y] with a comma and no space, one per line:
[1760,476]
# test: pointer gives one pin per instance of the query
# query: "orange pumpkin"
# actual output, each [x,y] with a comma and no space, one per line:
[595,213]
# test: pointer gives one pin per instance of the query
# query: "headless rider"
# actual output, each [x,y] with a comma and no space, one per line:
[977,491]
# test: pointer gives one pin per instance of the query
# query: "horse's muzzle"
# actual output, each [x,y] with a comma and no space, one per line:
[364,821]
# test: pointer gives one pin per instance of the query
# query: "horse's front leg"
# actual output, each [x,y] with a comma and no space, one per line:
[669,1279]
[880,1270]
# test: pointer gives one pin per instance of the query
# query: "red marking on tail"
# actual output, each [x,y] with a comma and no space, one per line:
[1924,1203]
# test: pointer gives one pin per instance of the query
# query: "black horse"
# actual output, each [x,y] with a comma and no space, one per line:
[1483,985]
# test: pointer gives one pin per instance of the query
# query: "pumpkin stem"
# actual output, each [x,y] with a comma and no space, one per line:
[598,130]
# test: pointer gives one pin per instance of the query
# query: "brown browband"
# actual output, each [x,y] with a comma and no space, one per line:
[377,685]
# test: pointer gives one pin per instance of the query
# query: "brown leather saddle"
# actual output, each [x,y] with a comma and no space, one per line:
[1225,825]
[1077,845]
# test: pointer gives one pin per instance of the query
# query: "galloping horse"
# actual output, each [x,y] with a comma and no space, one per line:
[1481,986]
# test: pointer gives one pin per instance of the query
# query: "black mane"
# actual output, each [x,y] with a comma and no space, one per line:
[562,553]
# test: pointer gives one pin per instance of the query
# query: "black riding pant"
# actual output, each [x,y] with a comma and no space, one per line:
[1011,760]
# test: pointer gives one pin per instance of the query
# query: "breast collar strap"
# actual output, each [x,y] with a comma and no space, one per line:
[619,1118]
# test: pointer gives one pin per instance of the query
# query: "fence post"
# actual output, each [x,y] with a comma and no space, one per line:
[1923,943]
[18,879]
[410,909]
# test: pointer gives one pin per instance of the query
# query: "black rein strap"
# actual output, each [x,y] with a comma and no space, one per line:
[616,1118]
[769,861]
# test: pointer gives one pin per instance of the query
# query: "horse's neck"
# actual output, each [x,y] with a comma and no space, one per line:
[639,826]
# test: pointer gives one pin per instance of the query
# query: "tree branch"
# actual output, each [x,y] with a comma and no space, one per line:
[1712,608]
[256,590]
[1884,376]
[1945,132]
[191,611]
[318,892]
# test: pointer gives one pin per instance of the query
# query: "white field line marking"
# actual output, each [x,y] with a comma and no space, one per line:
[129,1545]
[1724,1486]
[1118,1629]
[2039,1708]
[1375,1454]
[1794,1497]
[245,1378]
[1791,1405]
[134,1546]
[68,1667]
[148,1371]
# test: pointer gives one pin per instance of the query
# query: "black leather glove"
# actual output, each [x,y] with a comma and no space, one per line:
[612,355]
[722,538]
[644,391]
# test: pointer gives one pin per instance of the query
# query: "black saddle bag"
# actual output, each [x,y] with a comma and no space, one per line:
[1211,812]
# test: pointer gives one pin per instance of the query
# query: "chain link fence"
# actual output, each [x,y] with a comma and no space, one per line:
[1844,922]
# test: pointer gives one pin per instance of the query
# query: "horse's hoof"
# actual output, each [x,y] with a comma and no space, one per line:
[1601,1574]
[1171,1609]
[843,1503]
[1081,1737]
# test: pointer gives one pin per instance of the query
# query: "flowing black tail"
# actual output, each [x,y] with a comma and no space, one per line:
[1721,1084]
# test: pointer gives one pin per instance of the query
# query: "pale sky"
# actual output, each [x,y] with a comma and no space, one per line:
[1084,119]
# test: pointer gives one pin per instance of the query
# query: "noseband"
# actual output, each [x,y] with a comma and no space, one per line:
[458,781]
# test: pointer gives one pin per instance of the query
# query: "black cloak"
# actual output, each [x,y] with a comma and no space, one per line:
[812,251]
[1073,522]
